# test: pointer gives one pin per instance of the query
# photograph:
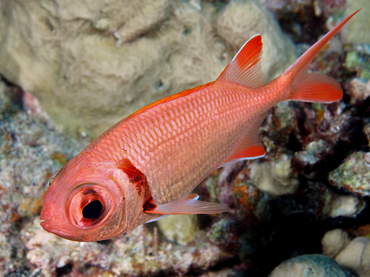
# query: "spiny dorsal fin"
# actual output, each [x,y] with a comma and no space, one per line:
[251,147]
[245,67]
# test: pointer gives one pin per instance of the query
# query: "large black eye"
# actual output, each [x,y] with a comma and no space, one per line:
[92,210]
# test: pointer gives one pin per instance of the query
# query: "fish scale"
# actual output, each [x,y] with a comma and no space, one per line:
[144,167]
[183,168]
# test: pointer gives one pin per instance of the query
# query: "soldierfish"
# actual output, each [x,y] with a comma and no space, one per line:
[145,166]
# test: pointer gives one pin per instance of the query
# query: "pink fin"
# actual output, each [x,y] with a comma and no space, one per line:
[251,147]
[189,205]
[157,218]
[314,87]
[245,67]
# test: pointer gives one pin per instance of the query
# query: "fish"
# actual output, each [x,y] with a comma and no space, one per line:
[146,166]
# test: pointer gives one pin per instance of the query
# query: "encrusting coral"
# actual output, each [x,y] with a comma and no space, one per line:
[95,63]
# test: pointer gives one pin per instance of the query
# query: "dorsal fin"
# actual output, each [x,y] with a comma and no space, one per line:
[251,147]
[245,67]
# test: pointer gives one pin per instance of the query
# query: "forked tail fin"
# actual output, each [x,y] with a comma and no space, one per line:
[315,87]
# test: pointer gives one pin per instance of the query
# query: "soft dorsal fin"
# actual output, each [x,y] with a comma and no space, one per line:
[189,205]
[251,147]
[245,67]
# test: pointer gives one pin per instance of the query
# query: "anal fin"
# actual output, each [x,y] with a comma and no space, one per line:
[251,147]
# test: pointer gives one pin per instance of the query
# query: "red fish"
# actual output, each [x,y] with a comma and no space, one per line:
[145,166]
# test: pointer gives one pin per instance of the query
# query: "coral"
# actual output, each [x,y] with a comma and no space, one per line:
[310,265]
[358,60]
[92,65]
[180,229]
[137,253]
[315,154]
[334,241]
[27,148]
[355,29]
[225,234]
[275,177]
[357,91]
[353,174]
[319,202]
[280,52]
[356,256]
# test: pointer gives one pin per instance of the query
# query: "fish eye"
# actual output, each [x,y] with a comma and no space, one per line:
[88,205]
[92,210]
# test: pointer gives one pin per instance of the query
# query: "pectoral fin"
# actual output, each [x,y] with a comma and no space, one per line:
[157,218]
[189,205]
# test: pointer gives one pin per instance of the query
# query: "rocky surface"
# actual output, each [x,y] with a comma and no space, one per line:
[310,265]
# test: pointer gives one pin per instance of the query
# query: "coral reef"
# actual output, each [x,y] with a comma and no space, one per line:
[92,63]
[31,151]
[138,252]
[91,67]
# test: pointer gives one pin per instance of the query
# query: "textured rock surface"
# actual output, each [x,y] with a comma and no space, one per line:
[356,256]
[138,253]
[334,241]
[355,30]
[31,151]
[310,265]
[353,174]
[240,20]
[94,64]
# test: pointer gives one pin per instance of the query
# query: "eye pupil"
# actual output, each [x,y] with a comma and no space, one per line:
[92,210]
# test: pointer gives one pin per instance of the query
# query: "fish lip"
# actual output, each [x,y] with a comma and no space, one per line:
[48,226]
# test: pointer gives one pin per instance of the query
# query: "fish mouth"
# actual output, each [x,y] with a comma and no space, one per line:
[49,226]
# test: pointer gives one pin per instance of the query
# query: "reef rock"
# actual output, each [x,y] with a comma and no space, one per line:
[310,265]
[275,177]
[31,151]
[137,253]
[91,64]
[355,29]
[356,256]
[240,20]
[180,229]
[353,174]
[334,241]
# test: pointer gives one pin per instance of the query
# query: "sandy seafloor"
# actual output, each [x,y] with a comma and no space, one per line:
[302,210]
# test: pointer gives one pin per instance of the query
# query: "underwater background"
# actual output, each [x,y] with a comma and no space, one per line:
[69,70]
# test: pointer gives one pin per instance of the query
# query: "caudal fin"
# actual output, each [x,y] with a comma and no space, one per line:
[315,87]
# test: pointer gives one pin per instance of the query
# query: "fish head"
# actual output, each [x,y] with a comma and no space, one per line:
[84,202]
